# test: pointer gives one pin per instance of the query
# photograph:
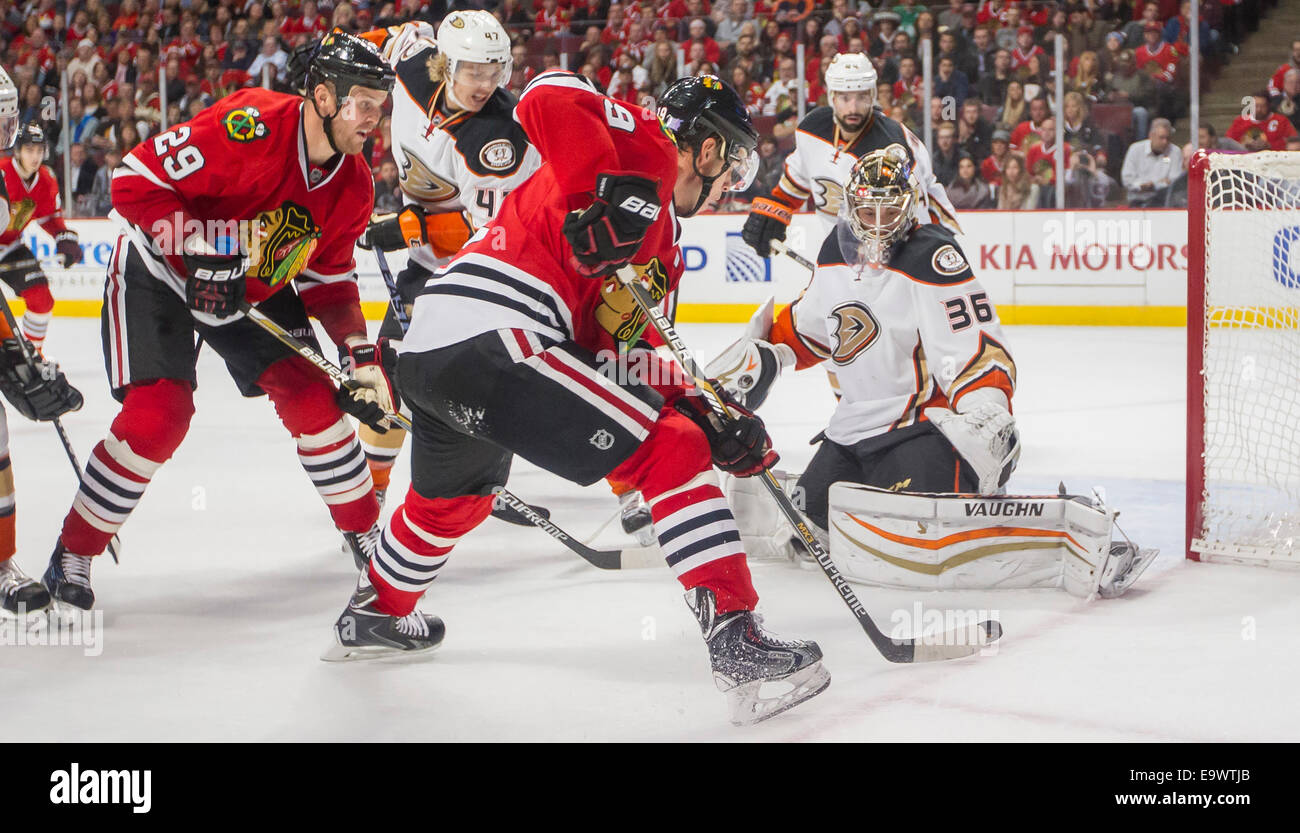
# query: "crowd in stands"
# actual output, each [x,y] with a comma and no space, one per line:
[992,99]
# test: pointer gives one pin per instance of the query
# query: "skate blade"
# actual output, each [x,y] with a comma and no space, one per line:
[362,653]
[749,705]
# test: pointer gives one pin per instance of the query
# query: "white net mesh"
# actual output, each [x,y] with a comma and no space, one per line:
[1250,505]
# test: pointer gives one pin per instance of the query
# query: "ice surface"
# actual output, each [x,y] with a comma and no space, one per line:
[232,576]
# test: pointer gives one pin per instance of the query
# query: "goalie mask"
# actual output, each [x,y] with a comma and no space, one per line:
[477,50]
[879,208]
[8,110]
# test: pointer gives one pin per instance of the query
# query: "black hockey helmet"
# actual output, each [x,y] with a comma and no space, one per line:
[30,134]
[697,108]
[344,60]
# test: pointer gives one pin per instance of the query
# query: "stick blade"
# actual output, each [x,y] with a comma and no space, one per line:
[955,644]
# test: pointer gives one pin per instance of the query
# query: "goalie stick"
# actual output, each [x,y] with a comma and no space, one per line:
[115,544]
[894,650]
[501,510]
[603,559]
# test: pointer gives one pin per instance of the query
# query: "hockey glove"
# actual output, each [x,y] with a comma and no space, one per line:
[369,395]
[739,446]
[606,234]
[67,248]
[37,388]
[767,221]
[403,230]
[983,432]
[215,285]
[748,368]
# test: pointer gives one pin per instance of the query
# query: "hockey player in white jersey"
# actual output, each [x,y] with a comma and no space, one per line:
[829,140]
[458,151]
[927,384]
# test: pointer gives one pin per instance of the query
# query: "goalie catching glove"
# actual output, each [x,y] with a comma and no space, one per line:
[739,446]
[36,388]
[767,221]
[369,394]
[983,432]
[411,227]
[609,232]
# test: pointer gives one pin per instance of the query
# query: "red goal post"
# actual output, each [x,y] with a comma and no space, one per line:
[1243,358]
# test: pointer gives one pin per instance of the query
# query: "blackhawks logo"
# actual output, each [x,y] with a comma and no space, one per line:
[244,124]
[20,211]
[282,243]
[618,313]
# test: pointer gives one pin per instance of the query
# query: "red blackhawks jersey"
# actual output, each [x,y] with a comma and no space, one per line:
[516,272]
[32,199]
[245,159]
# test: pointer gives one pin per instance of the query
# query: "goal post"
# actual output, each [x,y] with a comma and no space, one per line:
[1243,358]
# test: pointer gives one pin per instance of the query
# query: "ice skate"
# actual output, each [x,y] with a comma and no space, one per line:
[68,579]
[354,543]
[20,594]
[634,514]
[745,659]
[363,632]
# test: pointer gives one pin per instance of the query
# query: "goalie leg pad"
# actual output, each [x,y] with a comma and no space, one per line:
[947,542]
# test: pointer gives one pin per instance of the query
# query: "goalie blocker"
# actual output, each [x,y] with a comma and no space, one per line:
[925,541]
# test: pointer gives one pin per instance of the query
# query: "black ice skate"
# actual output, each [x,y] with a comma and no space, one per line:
[20,594]
[68,579]
[745,659]
[635,517]
[363,632]
[362,545]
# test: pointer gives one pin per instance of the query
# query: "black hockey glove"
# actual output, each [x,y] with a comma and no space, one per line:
[606,234]
[37,389]
[67,248]
[403,230]
[740,446]
[767,221]
[370,394]
[215,284]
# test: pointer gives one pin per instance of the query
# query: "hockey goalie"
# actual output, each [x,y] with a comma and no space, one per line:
[907,483]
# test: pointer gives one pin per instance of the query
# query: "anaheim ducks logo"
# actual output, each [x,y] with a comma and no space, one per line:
[20,212]
[419,180]
[282,245]
[618,313]
[831,197]
[855,330]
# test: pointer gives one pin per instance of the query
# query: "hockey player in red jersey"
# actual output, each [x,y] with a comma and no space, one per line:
[37,390]
[259,191]
[33,195]
[513,349]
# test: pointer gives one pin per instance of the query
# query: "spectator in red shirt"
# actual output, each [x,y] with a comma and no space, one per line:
[827,48]
[1261,128]
[1275,83]
[991,167]
[1155,57]
[700,34]
[1025,50]
[1040,160]
[1026,133]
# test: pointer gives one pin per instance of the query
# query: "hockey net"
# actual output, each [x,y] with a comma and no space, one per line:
[1243,351]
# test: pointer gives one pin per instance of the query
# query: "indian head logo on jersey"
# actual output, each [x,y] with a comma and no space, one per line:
[20,212]
[244,124]
[618,313]
[282,245]
[419,180]
[855,330]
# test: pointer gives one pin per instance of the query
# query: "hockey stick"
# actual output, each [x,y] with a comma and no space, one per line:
[780,248]
[894,650]
[19,264]
[115,544]
[502,511]
[604,559]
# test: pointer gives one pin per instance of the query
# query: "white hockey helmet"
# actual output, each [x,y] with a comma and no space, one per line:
[474,36]
[850,72]
[8,110]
